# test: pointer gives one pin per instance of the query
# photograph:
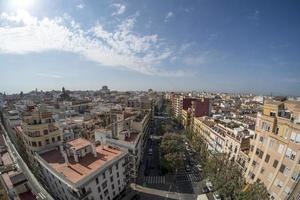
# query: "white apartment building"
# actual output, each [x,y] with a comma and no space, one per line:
[130,135]
[82,170]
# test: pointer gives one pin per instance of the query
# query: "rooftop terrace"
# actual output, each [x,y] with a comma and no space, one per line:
[76,171]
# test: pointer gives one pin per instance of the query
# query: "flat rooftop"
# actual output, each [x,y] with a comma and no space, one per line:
[73,171]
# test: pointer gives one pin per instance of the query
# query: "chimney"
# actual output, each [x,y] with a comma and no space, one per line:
[94,150]
[75,154]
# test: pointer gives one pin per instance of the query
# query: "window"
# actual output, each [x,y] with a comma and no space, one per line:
[261,153]
[254,163]
[279,183]
[290,154]
[265,126]
[103,175]
[262,170]
[113,186]
[47,141]
[111,179]
[267,158]
[58,138]
[110,170]
[280,148]
[106,192]
[293,136]
[53,140]
[104,185]
[287,190]
[97,181]
[118,175]
[286,171]
[295,176]
[297,138]
[277,130]
[99,189]
[33,144]
[282,168]
[261,139]
[45,132]
[40,143]
[275,163]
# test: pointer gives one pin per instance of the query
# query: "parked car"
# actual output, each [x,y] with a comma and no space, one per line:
[216,196]
[199,168]
[209,185]
[150,152]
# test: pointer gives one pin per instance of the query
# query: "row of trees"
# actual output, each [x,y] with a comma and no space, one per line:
[171,151]
[225,174]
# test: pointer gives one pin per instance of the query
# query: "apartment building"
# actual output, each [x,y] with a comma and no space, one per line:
[80,169]
[176,100]
[37,133]
[222,139]
[275,156]
[192,107]
[129,134]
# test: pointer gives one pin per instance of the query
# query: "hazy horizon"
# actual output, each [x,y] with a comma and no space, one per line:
[232,46]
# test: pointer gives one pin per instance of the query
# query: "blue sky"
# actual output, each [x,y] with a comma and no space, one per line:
[231,46]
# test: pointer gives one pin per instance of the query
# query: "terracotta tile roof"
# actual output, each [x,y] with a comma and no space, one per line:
[73,171]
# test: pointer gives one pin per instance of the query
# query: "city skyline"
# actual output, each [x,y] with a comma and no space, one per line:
[249,47]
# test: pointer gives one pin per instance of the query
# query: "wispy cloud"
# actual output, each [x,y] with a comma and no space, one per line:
[168,16]
[255,15]
[197,59]
[46,75]
[80,6]
[121,48]
[120,9]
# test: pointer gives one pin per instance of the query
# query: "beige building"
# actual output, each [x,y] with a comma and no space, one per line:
[37,133]
[275,156]
[222,139]
[176,100]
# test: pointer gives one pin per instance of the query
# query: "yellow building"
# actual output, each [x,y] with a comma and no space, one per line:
[274,153]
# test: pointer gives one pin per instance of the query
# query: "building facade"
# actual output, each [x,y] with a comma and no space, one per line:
[275,156]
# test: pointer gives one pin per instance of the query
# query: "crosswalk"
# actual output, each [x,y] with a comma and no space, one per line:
[187,178]
[155,179]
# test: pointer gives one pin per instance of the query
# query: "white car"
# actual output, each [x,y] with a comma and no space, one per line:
[216,196]
[209,185]
[199,167]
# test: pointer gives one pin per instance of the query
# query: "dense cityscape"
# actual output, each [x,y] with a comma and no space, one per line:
[149,100]
[109,144]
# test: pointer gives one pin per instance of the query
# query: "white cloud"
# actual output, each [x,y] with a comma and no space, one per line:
[168,16]
[121,48]
[120,9]
[46,75]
